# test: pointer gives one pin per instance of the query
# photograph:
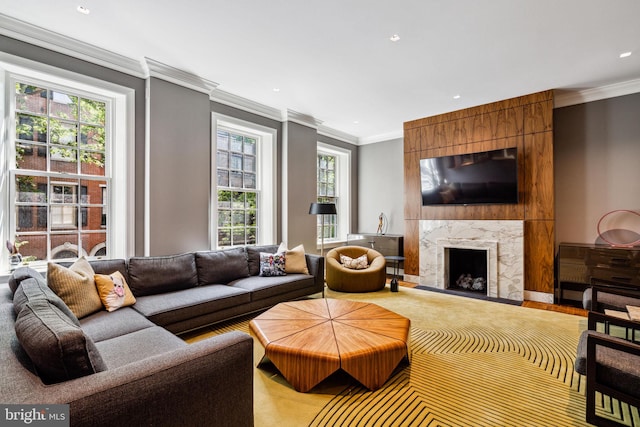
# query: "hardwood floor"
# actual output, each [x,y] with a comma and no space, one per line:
[531,304]
[555,307]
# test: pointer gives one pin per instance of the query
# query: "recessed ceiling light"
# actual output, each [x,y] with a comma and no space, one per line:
[355,122]
[276,89]
[456,96]
[394,38]
[625,54]
[83,10]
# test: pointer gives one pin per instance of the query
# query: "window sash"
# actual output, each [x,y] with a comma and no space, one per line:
[326,193]
[63,222]
[238,192]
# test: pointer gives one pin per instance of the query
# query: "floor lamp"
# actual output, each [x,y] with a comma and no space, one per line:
[322,209]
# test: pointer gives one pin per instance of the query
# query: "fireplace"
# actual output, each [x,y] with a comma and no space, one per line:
[466,270]
[480,250]
[502,241]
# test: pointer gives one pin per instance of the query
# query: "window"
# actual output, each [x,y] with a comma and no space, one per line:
[244,183]
[62,188]
[68,137]
[327,183]
[237,189]
[333,172]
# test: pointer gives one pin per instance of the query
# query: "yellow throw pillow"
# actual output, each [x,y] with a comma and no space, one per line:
[114,291]
[295,260]
[76,287]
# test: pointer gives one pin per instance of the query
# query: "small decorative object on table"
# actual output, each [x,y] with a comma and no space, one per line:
[613,228]
[383,224]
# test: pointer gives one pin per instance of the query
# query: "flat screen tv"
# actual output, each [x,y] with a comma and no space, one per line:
[487,177]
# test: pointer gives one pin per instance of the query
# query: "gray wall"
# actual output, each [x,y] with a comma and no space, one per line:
[298,185]
[381,186]
[179,169]
[596,155]
[179,160]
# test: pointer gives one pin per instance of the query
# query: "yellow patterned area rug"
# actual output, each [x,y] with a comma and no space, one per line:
[473,363]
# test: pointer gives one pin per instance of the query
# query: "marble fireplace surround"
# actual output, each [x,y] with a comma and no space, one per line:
[503,241]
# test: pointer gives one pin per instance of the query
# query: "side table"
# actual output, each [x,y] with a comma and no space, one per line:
[396,261]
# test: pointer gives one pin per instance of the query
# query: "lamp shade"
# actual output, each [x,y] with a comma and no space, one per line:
[322,209]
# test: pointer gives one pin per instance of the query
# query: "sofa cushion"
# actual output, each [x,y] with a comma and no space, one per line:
[114,291]
[105,325]
[265,287]
[58,348]
[21,274]
[105,266]
[148,342]
[160,274]
[108,266]
[182,305]
[221,267]
[253,257]
[33,289]
[76,287]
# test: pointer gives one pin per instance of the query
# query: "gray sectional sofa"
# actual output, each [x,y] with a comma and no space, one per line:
[129,367]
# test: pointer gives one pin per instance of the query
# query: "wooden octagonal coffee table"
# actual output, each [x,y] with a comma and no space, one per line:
[311,339]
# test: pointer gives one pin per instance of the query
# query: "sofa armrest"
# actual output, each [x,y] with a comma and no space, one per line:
[315,265]
[597,298]
[595,317]
[204,382]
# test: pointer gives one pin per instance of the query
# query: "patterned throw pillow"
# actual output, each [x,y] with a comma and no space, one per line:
[359,263]
[272,264]
[114,291]
[76,287]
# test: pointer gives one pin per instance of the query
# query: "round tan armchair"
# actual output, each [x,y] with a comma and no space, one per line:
[343,279]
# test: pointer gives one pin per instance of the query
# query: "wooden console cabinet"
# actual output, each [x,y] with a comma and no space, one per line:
[583,265]
[386,244]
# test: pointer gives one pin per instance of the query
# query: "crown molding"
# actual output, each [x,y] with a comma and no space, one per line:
[567,97]
[302,119]
[38,36]
[174,75]
[337,134]
[245,104]
[382,137]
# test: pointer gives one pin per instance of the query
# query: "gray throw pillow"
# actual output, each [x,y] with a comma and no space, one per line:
[222,266]
[33,289]
[21,274]
[58,348]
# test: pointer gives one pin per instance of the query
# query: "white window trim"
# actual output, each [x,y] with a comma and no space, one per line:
[266,177]
[121,215]
[343,189]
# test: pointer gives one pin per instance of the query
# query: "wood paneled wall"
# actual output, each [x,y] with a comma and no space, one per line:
[525,122]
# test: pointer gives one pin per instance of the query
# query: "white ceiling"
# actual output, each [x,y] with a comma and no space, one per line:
[333,59]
